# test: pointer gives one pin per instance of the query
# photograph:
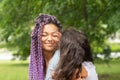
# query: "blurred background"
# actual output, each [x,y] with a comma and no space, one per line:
[100,19]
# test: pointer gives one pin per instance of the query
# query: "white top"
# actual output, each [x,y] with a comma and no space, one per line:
[52,65]
[89,66]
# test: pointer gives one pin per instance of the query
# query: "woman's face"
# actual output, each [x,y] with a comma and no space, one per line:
[50,37]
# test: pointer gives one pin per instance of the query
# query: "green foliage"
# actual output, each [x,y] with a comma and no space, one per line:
[98,18]
[115,47]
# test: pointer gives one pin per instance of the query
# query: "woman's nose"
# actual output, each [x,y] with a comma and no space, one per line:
[49,37]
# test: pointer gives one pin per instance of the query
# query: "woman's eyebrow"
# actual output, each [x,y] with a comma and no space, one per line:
[51,32]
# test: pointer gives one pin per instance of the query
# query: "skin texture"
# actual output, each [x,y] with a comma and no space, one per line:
[50,37]
[50,40]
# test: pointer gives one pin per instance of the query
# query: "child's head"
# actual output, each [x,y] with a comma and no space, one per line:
[71,44]
[71,54]
[71,39]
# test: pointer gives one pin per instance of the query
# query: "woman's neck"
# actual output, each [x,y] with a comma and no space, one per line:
[48,55]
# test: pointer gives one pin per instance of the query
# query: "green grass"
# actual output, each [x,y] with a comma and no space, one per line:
[18,70]
[11,70]
[108,71]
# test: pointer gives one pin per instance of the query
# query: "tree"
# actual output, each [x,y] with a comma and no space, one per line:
[95,17]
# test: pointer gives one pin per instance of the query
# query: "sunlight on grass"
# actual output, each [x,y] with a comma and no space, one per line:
[18,70]
[108,71]
[13,70]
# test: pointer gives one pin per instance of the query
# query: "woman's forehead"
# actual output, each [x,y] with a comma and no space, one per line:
[50,28]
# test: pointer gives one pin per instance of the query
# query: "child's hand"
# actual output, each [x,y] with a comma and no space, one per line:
[53,74]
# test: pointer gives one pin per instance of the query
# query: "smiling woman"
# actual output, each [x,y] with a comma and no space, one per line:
[50,37]
[45,40]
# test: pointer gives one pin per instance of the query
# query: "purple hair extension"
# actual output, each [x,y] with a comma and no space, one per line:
[37,62]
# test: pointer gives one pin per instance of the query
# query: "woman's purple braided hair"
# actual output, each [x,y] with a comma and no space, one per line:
[37,62]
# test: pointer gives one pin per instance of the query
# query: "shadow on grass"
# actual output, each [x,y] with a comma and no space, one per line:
[109,77]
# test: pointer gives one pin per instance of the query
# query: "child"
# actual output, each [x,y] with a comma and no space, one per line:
[67,64]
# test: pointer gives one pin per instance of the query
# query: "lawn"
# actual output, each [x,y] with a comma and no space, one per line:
[108,72]
[18,70]
[13,70]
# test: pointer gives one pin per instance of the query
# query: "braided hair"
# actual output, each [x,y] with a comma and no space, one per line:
[37,62]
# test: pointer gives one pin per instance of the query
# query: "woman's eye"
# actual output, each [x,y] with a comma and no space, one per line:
[44,34]
[55,35]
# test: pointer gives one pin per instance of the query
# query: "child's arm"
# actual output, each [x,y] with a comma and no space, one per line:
[84,73]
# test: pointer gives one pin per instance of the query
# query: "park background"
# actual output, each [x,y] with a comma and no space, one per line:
[100,19]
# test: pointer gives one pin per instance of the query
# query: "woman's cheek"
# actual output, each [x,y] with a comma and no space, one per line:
[58,36]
